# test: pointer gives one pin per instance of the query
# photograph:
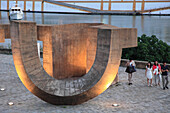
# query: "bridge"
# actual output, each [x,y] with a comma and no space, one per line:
[103,7]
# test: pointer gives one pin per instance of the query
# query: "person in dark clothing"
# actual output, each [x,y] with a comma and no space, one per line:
[164,69]
[130,69]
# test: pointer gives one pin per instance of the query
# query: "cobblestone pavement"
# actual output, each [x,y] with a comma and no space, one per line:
[137,98]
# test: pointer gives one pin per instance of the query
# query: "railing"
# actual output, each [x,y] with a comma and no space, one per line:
[110,2]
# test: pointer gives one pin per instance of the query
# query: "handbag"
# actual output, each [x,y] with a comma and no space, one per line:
[130,69]
[133,69]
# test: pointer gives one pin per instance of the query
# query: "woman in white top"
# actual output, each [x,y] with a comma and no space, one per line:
[149,73]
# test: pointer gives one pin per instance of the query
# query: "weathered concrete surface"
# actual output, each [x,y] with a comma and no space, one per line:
[2,35]
[69,50]
[137,98]
[69,45]
[37,80]
[44,34]
[6,28]
[121,38]
[68,91]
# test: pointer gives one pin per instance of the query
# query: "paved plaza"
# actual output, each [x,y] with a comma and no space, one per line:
[137,98]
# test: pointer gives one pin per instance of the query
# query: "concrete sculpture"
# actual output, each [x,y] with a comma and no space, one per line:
[80,61]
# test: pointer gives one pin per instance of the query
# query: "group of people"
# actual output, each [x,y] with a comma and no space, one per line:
[156,71]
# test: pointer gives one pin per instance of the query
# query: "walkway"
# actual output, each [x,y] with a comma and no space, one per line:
[137,98]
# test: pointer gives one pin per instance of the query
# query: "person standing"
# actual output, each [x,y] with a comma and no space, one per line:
[130,69]
[156,72]
[164,69]
[148,73]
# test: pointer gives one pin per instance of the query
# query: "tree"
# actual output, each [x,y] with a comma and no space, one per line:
[149,49]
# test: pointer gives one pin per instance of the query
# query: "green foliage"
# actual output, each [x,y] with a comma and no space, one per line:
[149,49]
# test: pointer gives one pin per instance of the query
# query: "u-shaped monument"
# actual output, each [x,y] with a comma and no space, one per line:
[80,61]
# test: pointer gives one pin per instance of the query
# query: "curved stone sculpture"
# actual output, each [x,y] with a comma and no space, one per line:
[69,91]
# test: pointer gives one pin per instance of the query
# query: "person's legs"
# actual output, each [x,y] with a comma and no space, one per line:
[155,77]
[158,79]
[163,82]
[166,78]
[130,78]
[148,81]
[151,82]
